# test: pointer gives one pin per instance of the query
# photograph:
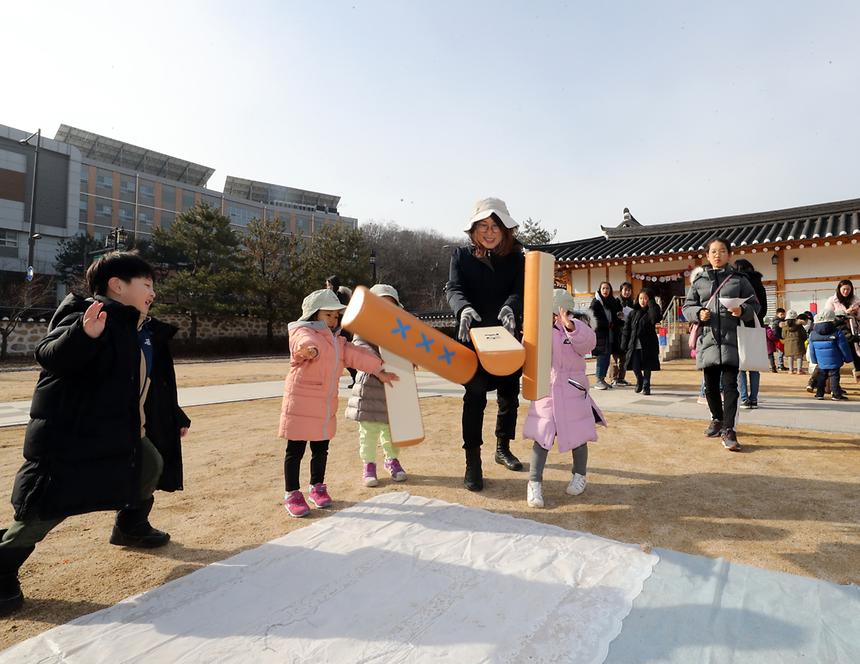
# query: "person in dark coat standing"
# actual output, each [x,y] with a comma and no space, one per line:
[484,289]
[619,368]
[717,344]
[610,323]
[344,295]
[749,380]
[105,424]
[640,343]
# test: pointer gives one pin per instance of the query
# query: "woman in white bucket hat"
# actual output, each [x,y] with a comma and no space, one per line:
[485,288]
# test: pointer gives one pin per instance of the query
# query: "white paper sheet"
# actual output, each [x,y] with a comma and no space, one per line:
[397,578]
[732,302]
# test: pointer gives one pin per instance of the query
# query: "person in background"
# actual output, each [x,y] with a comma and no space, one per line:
[749,380]
[793,341]
[717,344]
[846,302]
[343,295]
[619,369]
[610,322]
[640,343]
[777,330]
[829,349]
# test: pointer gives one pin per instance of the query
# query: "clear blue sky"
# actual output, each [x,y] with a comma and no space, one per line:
[410,111]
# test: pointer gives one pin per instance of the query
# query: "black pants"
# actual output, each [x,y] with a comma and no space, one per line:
[475,401]
[293,459]
[643,376]
[723,407]
[821,380]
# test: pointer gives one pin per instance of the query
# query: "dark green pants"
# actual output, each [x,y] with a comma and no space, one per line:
[27,533]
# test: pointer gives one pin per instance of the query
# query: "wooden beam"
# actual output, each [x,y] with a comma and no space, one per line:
[818,280]
[780,279]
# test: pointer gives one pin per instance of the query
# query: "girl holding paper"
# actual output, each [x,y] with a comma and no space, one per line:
[717,345]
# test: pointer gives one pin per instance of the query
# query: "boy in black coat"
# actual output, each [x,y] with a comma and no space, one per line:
[105,424]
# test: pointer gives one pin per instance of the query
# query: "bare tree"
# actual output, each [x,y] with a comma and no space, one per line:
[21,299]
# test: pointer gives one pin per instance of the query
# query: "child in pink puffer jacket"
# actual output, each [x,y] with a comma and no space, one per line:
[568,416]
[318,356]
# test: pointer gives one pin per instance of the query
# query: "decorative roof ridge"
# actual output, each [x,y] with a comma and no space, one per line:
[749,219]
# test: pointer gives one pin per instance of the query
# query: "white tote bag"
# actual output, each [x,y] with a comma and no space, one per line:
[752,347]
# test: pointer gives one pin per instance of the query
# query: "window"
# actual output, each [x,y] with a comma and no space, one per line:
[83,207]
[168,197]
[104,182]
[241,215]
[187,200]
[146,195]
[126,215]
[145,218]
[126,188]
[303,226]
[85,178]
[167,219]
[8,239]
[104,211]
[213,201]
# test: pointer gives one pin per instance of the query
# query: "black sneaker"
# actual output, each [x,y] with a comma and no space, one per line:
[714,430]
[622,383]
[730,440]
[746,404]
[753,403]
[820,397]
[839,397]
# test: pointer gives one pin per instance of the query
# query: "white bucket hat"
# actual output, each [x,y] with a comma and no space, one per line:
[825,316]
[487,206]
[561,298]
[319,300]
[791,315]
[384,289]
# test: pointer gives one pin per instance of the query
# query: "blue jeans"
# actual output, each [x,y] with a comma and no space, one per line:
[754,380]
[602,365]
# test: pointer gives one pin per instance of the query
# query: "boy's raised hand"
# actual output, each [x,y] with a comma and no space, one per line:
[306,353]
[94,320]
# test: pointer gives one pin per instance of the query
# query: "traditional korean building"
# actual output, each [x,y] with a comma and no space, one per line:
[801,252]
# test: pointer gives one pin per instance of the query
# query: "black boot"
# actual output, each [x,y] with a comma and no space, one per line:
[638,385]
[132,528]
[474,479]
[646,388]
[11,559]
[504,455]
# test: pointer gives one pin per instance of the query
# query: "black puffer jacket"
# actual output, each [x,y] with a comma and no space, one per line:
[486,285]
[82,445]
[641,326]
[607,329]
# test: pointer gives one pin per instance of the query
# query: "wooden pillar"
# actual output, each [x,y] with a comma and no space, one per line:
[589,281]
[780,278]
[628,272]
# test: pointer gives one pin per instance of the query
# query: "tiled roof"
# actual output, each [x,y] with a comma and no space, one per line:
[828,220]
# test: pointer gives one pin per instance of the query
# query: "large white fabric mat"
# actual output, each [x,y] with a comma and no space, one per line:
[397,578]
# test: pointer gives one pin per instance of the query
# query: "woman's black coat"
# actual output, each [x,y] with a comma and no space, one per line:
[82,445]
[641,326]
[486,285]
[615,325]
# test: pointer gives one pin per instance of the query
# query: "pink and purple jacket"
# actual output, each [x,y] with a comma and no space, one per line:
[309,408]
[567,414]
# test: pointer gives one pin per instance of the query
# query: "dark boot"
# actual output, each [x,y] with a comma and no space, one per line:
[474,479]
[504,455]
[714,429]
[11,559]
[639,385]
[646,388]
[132,528]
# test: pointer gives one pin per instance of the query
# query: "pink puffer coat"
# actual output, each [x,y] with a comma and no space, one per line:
[309,408]
[567,413]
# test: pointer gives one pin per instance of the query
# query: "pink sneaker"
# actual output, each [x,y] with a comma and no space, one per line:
[295,504]
[397,473]
[370,474]
[318,495]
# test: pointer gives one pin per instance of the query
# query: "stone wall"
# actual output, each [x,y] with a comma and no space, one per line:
[28,333]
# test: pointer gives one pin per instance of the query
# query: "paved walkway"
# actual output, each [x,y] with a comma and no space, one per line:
[801,412]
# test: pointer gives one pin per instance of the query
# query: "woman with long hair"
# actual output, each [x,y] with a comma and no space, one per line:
[845,302]
[610,321]
[749,380]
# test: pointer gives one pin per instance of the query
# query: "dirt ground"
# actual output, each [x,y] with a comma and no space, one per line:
[788,502]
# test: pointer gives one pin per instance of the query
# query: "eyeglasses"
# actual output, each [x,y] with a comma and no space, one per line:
[487,228]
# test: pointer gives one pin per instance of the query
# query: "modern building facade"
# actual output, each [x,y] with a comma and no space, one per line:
[88,183]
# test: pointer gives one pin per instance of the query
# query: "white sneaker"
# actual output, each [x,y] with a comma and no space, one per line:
[576,486]
[534,494]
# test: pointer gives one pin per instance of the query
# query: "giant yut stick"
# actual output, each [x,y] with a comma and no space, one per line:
[537,324]
[401,402]
[390,327]
[498,351]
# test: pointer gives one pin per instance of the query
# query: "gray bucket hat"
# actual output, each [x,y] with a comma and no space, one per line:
[825,316]
[487,206]
[383,290]
[318,300]
[561,298]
